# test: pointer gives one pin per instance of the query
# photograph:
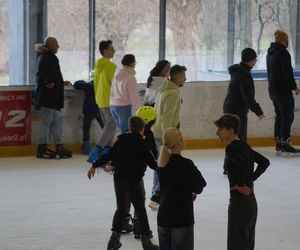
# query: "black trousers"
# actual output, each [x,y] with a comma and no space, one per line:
[133,189]
[284,115]
[87,120]
[242,215]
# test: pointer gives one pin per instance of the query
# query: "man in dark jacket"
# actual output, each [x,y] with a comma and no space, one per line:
[50,100]
[241,91]
[281,87]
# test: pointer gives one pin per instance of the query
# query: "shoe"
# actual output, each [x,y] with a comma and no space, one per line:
[95,154]
[114,241]
[85,149]
[147,244]
[44,152]
[278,146]
[287,149]
[126,226]
[154,204]
[62,152]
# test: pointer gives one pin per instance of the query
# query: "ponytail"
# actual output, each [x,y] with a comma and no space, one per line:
[164,156]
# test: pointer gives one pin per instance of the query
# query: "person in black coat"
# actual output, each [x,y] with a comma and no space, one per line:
[242,209]
[180,182]
[241,91]
[49,100]
[90,110]
[130,157]
[281,87]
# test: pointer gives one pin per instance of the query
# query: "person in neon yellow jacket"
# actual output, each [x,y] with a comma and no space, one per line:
[104,71]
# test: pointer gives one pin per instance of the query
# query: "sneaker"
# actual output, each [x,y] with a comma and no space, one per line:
[44,152]
[147,244]
[114,241]
[154,204]
[62,152]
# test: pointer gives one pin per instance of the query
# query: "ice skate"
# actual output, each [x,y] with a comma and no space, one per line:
[126,226]
[44,152]
[114,241]
[287,150]
[62,152]
[147,244]
[136,229]
[154,204]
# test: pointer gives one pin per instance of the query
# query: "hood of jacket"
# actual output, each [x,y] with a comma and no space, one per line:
[244,68]
[275,47]
[168,85]
[101,63]
[123,72]
[41,48]
[157,81]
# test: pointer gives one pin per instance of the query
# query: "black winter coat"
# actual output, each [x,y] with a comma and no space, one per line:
[48,72]
[280,71]
[241,91]
[89,104]
[129,156]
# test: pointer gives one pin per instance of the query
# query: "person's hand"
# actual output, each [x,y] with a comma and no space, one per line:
[244,190]
[67,83]
[109,168]
[91,172]
[297,91]
[50,85]
[194,196]
[260,117]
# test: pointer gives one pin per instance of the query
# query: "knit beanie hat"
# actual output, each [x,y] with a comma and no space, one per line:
[280,36]
[248,55]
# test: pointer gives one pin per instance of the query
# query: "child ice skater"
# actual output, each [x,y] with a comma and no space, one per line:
[180,182]
[130,157]
[242,210]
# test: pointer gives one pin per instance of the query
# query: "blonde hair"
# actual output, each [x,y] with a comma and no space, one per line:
[170,138]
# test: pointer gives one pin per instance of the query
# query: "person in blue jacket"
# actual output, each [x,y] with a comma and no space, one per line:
[90,110]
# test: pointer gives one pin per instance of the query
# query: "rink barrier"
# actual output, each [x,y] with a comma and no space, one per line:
[189,144]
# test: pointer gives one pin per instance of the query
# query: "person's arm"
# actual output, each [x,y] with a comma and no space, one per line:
[172,101]
[133,93]
[198,182]
[286,64]
[149,157]
[247,90]
[262,164]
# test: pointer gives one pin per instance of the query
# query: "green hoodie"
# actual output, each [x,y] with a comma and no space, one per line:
[104,71]
[167,105]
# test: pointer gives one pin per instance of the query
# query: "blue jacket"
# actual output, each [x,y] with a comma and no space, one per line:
[89,104]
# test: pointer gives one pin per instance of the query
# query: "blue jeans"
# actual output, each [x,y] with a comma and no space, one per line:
[51,126]
[176,238]
[121,114]
[156,185]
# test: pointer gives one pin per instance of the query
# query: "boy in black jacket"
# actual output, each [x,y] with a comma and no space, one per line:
[242,210]
[130,157]
[90,110]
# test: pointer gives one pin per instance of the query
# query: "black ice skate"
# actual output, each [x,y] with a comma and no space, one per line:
[44,152]
[287,149]
[62,152]
[136,229]
[114,241]
[278,146]
[147,244]
[154,204]
[126,226]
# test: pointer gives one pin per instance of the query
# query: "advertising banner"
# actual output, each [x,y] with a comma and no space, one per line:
[15,118]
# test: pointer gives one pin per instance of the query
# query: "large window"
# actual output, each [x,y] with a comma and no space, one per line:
[4,45]
[132,25]
[68,22]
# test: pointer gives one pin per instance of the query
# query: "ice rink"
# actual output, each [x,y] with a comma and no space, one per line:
[51,204]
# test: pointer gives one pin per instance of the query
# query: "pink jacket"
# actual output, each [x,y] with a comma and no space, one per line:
[124,89]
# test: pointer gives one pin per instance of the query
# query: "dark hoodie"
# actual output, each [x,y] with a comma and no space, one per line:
[241,91]
[130,157]
[280,71]
[48,72]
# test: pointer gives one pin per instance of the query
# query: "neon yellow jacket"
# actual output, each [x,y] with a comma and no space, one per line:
[104,71]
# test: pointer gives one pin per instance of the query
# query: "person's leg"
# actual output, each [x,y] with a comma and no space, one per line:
[277,125]
[87,120]
[114,114]
[124,113]
[164,238]
[99,120]
[182,238]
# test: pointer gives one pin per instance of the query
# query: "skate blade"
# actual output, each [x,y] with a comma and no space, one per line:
[287,154]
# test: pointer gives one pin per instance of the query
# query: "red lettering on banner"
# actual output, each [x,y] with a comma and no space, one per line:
[15,118]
